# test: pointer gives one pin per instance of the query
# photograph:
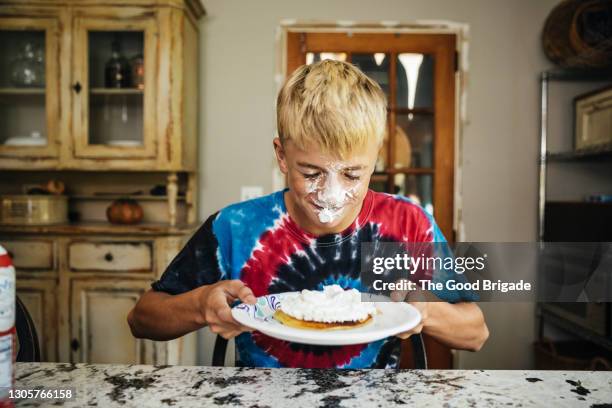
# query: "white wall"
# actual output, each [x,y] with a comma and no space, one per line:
[500,141]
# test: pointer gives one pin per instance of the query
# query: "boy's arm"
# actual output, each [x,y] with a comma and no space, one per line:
[457,325]
[161,316]
[460,324]
[193,292]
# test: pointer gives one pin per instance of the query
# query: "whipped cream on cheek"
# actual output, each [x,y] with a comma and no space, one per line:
[331,195]
[332,305]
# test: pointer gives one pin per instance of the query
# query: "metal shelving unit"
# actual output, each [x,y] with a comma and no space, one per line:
[545,156]
[601,153]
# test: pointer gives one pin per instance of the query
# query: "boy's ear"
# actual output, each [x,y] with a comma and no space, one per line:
[279,151]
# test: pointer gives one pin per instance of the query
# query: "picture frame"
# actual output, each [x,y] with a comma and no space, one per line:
[593,120]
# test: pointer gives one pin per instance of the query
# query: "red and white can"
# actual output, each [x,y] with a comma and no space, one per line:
[7,328]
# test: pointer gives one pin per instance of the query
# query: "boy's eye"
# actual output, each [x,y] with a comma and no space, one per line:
[311,176]
[351,177]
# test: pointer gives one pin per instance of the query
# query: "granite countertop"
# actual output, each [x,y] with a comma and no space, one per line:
[180,386]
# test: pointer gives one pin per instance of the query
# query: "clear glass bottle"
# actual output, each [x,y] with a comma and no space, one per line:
[28,68]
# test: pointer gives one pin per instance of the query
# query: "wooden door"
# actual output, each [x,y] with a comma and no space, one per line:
[39,298]
[99,329]
[29,85]
[417,73]
[115,119]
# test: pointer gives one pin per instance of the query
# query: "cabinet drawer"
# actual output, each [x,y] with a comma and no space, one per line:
[111,256]
[31,254]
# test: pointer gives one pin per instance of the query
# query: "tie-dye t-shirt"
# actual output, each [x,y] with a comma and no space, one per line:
[257,242]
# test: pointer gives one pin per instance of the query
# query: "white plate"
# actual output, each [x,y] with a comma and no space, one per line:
[392,318]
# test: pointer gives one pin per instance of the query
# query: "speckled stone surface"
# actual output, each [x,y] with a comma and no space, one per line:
[164,386]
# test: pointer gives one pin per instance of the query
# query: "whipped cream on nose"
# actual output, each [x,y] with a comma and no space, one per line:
[332,197]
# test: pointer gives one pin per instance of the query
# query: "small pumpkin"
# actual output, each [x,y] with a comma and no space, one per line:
[124,211]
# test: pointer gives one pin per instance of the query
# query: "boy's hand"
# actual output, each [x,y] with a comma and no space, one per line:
[421,300]
[215,303]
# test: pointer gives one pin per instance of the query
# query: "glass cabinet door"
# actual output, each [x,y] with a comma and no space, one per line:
[113,88]
[29,90]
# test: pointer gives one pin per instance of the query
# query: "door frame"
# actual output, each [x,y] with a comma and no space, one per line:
[443,357]
[461,32]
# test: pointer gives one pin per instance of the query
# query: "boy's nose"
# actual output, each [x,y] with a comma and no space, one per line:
[333,194]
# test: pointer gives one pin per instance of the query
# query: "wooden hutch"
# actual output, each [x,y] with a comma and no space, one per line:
[80,278]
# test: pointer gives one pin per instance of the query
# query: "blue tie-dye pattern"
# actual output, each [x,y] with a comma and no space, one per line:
[248,221]
[230,222]
[223,265]
[250,355]
[442,249]
[367,357]
[344,281]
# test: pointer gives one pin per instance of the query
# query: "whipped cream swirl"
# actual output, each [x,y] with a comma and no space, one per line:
[332,305]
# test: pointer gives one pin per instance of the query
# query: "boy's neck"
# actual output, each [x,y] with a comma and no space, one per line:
[304,223]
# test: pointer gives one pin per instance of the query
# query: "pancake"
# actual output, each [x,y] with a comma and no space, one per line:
[290,321]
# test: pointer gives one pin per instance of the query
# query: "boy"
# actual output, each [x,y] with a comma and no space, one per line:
[331,120]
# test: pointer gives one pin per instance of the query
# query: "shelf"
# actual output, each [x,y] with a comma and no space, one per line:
[578,75]
[578,203]
[575,329]
[116,91]
[22,91]
[379,177]
[406,170]
[416,111]
[100,228]
[602,153]
[106,197]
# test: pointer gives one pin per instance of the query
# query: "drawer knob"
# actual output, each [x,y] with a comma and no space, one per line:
[108,257]
[74,344]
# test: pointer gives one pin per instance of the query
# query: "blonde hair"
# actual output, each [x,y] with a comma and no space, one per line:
[333,104]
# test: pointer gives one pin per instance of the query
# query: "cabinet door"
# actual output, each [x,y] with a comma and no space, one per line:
[98,320]
[38,296]
[114,91]
[29,87]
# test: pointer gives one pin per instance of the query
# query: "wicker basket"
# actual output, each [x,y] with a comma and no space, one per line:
[570,355]
[570,40]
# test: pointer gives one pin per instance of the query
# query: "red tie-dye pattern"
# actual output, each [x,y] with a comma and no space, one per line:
[275,247]
[396,220]
[402,221]
[288,357]
[399,220]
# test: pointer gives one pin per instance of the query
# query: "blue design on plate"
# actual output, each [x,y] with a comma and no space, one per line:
[263,309]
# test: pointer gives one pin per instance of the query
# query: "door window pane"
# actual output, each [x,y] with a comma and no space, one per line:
[116,88]
[418,188]
[376,66]
[414,140]
[22,88]
[115,119]
[112,55]
[378,182]
[414,81]
[320,56]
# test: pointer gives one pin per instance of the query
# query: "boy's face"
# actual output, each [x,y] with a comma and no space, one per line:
[325,191]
